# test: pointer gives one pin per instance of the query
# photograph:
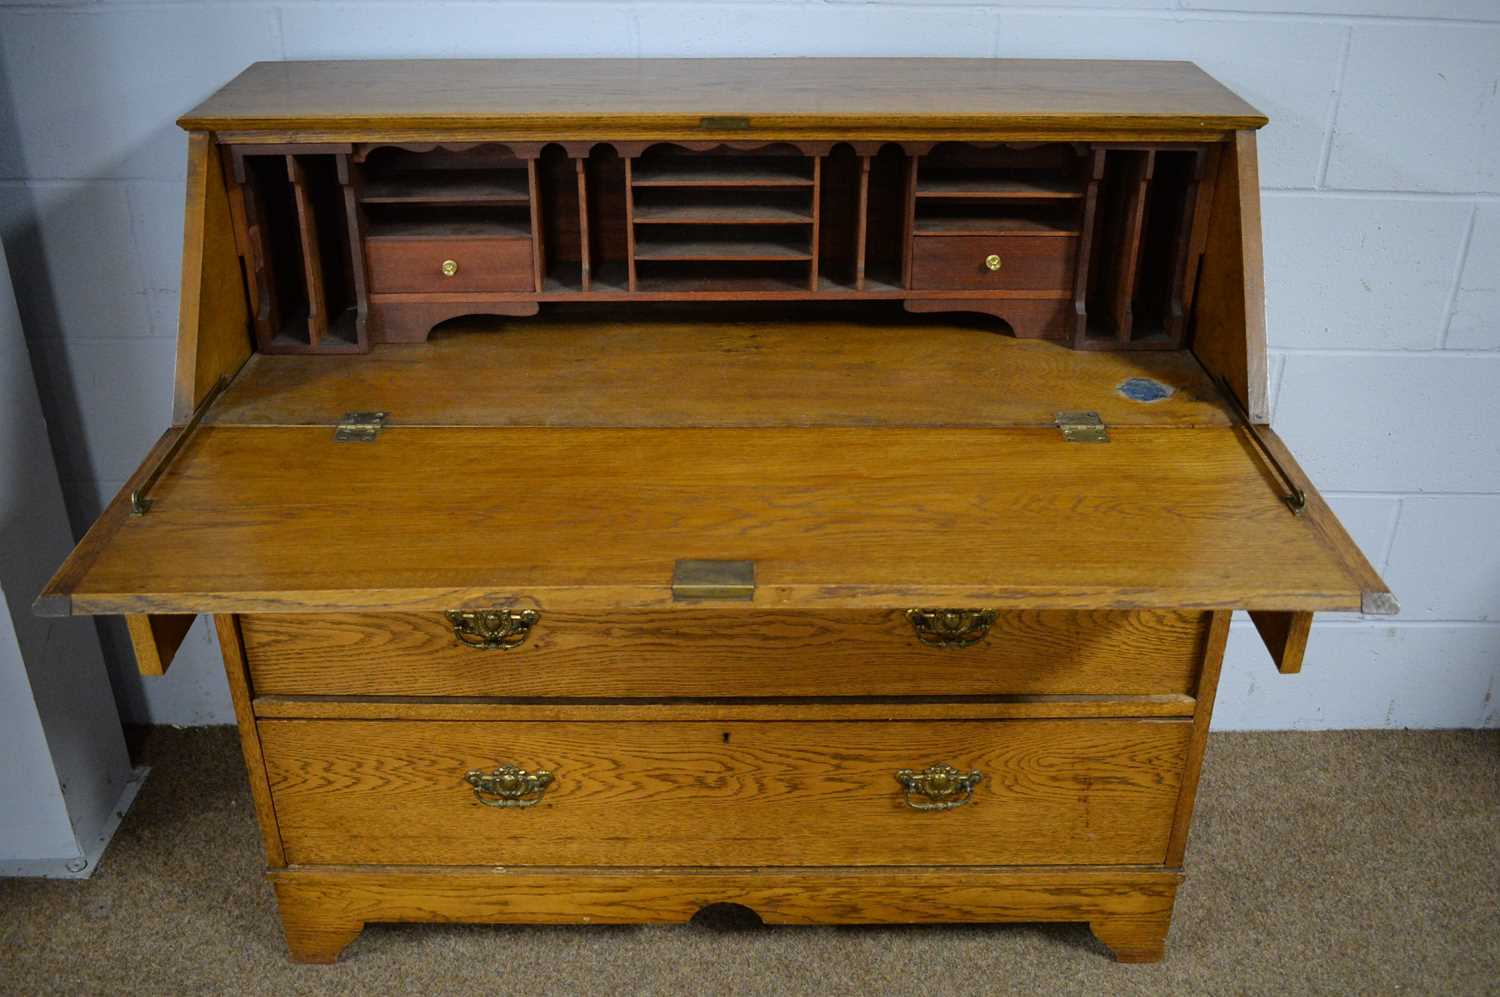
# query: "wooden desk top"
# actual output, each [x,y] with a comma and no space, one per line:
[616,98]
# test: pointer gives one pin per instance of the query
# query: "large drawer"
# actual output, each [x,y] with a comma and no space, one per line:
[721,652]
[732,793]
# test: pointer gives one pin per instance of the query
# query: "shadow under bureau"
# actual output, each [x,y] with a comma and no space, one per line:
[626,486]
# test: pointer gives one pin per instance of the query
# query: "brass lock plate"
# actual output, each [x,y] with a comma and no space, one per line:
[698,579]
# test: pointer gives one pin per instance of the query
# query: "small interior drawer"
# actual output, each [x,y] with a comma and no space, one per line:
[998,263]
[1050,792]
[476,264]
[727,652]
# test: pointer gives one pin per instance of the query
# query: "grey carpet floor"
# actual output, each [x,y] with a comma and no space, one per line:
[1338,863]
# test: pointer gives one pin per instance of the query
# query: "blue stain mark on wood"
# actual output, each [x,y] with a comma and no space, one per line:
[1144,389]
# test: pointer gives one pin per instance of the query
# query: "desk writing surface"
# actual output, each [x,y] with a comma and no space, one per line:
[703,369]
[285,519]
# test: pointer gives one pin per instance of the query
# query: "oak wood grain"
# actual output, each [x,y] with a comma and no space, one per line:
[323,909]
[1376,598]
[834,518]
[678,793]
[737,708]
[665,98]
[705,653]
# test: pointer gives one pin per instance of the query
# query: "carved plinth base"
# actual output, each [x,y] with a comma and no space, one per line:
[323,909]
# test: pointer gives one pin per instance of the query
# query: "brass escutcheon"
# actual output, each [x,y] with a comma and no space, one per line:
[449,268]
[993,262]
[951,627]
[945,787]
[509,787]
[492,629]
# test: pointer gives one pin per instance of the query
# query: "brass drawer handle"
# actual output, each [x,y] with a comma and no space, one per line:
[492,629]
[449,268]
[951,627]
[993,262]
[509,787]
[945,787]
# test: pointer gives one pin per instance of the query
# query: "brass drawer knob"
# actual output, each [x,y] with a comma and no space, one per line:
[993,262]
[509,787]
[492,629]
[449,268]
[941,786]
[951,627]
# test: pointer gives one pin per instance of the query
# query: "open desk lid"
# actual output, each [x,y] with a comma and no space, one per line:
[287,519]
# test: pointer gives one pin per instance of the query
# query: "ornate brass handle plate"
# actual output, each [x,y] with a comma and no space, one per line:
[993,262]
[449,268]
[951,627]
[509,787]
[492,629]
[943,787]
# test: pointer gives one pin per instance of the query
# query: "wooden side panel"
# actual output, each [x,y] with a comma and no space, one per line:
[323,910]
[1208,687]
[156,638]
[723,794]
[703,652]
[227,628]
[213,326]
[1229,325]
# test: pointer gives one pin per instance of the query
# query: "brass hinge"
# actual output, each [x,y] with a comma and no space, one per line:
[733,580]
[359,427]
[1082,427]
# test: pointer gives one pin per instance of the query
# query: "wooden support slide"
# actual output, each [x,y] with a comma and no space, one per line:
[1285,636]
[155,638]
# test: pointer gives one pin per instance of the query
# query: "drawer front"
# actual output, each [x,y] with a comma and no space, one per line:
[398,265]
[704,652]
[735,793]
[1027,263]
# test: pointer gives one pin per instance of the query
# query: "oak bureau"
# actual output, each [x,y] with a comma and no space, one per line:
[819,485]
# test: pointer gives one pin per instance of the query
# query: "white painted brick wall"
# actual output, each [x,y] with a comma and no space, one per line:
[1382,212]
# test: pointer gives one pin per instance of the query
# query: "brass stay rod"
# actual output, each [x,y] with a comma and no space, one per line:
[139,503]
[1295,498]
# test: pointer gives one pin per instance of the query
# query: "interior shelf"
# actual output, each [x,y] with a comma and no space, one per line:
[456,187]
[721,246]
[747,278]
[714,171]
[690,213]
[492,227]
[982,186]
[1017,219]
